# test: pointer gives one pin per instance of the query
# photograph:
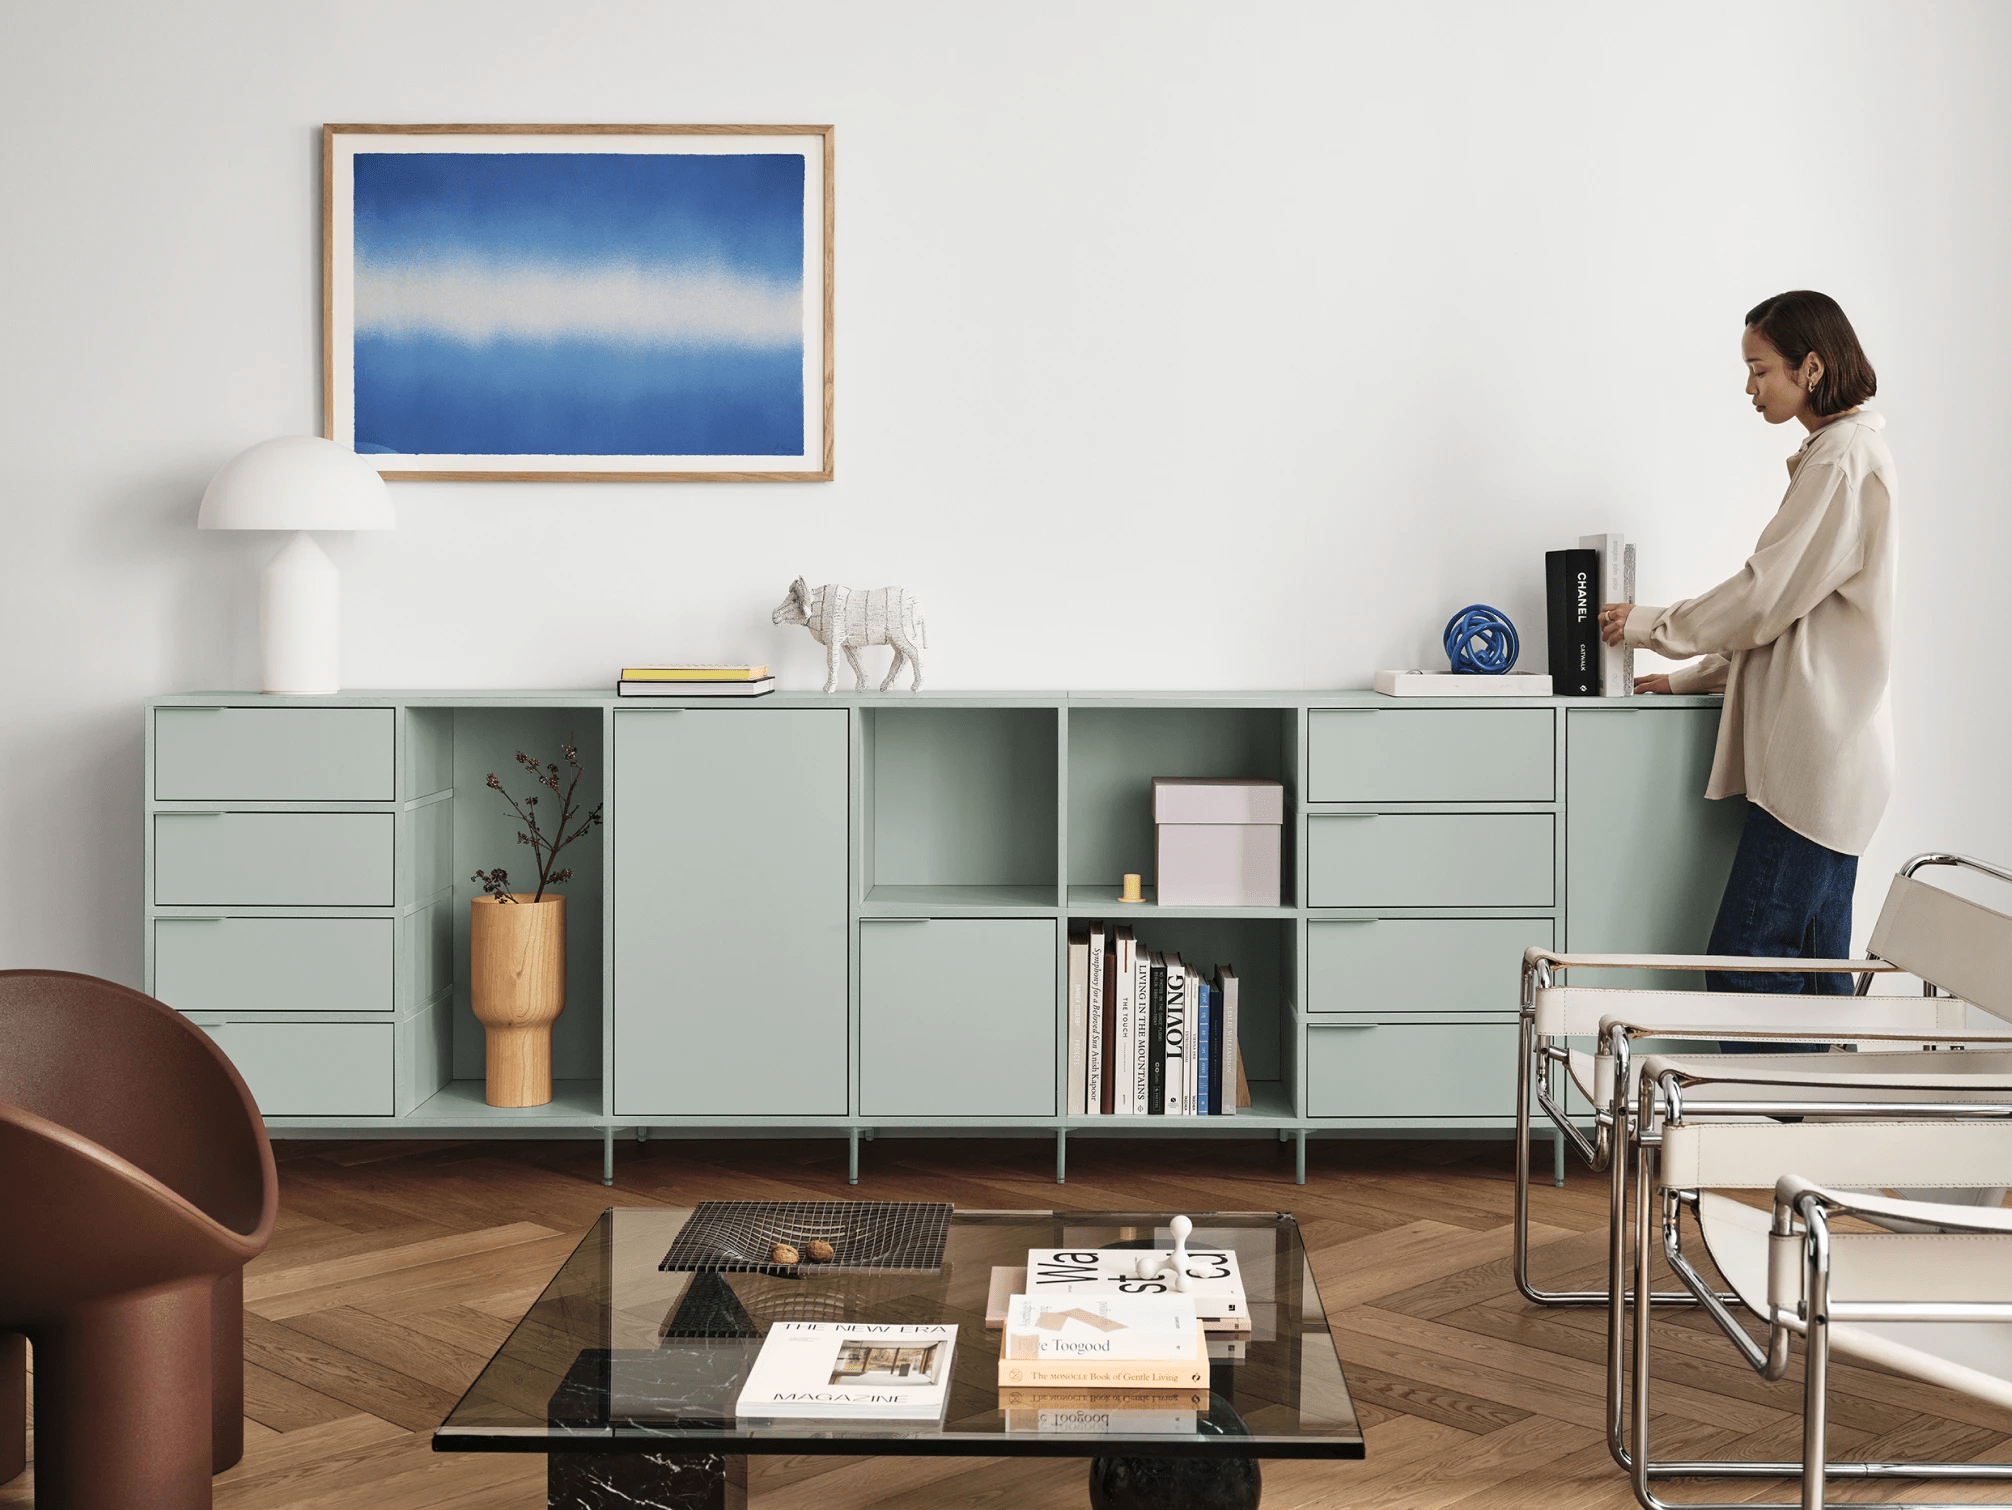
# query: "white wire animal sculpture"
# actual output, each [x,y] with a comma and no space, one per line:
[847,619]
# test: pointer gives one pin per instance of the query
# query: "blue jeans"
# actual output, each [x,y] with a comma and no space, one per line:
[1787,898]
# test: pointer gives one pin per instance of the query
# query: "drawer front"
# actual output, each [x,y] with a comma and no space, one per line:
[1402,967]
[1412,1070]
[273,859]
[312,1069]
[275,964]
[1431,755]
[273,754]
[1430,860]
[957,1017]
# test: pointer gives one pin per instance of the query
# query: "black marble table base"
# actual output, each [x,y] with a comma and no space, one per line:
[645,1481]
[1174,1483]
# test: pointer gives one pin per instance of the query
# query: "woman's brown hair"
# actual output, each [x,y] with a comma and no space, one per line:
[1801,321]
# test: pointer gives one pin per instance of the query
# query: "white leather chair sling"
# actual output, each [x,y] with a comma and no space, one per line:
[1934,1304]
[1955,946]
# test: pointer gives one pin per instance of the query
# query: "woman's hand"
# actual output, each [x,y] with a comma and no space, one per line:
[1660,682]
[1614,622]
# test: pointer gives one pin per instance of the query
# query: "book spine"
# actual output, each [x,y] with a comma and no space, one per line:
[1131,1374]
[1156,1058]
[1093,1070]
[1612,550]
[1218,1048]
[1143,985]
[1174,1073]
[1628,592]
[1121,1103]
[1079,1020]
[1234,1094]
[1572,618]
[1203,1042]
[1191,1048]
[1107,1088]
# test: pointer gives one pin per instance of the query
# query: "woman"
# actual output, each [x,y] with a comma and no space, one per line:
[1800,640]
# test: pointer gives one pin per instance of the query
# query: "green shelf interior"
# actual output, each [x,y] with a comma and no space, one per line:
[461,1101]
[1114,754]
[485,836]
[961,806]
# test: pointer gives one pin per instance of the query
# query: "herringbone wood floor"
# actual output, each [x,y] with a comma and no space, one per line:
[399,1267]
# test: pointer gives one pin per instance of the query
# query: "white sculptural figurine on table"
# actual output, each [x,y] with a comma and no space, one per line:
[845,618]
[1175,1267]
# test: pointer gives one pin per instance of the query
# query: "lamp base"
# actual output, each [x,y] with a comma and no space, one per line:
[300,619]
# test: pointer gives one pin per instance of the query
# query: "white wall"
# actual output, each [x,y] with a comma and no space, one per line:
[1341,312]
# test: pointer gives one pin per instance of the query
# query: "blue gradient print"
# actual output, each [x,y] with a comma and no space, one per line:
[579,304]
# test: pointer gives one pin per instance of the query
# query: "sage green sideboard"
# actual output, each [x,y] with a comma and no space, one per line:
[849,914]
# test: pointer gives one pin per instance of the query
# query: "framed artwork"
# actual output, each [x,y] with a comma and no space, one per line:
[583,303]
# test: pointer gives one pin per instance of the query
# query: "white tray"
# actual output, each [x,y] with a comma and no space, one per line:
[1447,684]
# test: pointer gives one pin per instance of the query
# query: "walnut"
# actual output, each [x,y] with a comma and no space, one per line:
[783,1253]
[818,1251]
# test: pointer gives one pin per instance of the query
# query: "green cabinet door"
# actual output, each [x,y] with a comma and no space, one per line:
[1646,855]
[729,833]
[957,1017]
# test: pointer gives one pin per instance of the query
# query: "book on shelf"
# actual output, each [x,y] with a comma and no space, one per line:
[1616,568]
[1142,993]
[1236,1087]
[1156,1038]
[1095,1074]
[1121,985]
[1203,1045]
[694,671]
[1105,1412]
[850,1369]
[630,687]
[1215,1282]
[1572,619]
[1191,1091]
[1173,1042]
[1111,1328]
[1079,1018]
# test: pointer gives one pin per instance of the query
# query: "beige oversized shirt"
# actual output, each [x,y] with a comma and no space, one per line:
[1801,639]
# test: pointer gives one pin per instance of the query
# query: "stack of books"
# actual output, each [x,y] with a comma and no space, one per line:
[695,681]
[1149,1033]
[1109,1341]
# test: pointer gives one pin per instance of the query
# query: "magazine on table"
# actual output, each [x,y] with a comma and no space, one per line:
[850,1370]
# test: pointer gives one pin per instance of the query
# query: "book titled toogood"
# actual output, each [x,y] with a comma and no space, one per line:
[850,1370]
[1102,1328]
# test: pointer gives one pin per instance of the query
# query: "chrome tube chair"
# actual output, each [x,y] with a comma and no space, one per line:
[1933,1302]
[1916,931]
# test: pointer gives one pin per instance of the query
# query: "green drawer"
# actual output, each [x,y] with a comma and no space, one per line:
[957,1017]
[1402,967]
[273,859]
[1431,755]
[312,1069]
[1430,860]
[1412,1070]
[273,754]
[275,964]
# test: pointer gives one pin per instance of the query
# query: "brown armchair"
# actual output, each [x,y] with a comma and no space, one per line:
[136,1182]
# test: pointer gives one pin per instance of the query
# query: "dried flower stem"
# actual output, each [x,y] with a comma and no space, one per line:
[545,847]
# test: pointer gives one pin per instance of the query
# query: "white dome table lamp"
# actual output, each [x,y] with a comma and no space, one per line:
[298,483]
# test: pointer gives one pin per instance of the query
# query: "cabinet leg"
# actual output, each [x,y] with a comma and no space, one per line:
[1282,1134]
[1558,1159]
[1299,1159]
[607,1156]
[642,1136]
[1061,1156]
[852,1156]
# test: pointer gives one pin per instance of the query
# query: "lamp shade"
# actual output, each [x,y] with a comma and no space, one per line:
[296,482]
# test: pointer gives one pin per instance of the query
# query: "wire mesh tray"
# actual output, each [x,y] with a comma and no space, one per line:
[737,1236]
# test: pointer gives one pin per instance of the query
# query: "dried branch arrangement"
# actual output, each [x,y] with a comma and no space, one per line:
[545,847]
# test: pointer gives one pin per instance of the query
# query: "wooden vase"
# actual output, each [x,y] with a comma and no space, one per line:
[517,985]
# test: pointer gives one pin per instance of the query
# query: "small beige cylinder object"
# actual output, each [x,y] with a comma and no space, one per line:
[1132,892]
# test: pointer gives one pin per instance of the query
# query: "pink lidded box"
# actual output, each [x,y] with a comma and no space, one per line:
[1216,841]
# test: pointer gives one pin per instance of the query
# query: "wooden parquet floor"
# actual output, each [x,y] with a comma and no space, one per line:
[398,1267]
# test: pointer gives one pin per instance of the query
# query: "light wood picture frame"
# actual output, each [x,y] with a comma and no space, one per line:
[579,303]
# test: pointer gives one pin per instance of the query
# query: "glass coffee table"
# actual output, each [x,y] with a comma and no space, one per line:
[626,1374]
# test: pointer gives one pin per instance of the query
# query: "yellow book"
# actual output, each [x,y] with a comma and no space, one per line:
[693,673]
[1130,1373]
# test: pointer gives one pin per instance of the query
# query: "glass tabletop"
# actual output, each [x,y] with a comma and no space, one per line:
[596,1364]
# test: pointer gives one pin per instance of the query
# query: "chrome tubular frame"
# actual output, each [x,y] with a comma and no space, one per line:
[1771,1363]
